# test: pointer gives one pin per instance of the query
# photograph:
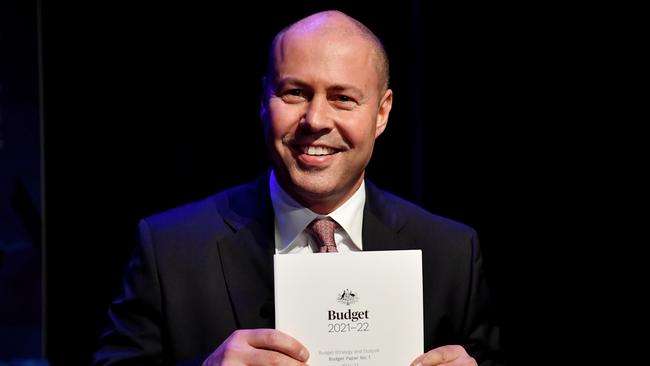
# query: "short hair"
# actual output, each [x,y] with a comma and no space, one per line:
[379,51]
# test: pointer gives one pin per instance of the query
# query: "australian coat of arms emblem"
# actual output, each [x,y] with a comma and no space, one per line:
[347,297]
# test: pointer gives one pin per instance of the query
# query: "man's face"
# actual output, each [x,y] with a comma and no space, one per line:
[323,113]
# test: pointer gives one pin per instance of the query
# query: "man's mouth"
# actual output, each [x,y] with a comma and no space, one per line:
[314,150]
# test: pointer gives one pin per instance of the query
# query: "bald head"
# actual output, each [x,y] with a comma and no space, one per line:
[334,23]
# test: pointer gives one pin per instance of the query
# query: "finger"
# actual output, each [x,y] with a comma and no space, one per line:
[418,360]
[264,357]
[439,356]
[275,340]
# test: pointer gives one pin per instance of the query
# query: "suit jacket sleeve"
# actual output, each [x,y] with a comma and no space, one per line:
[483,338]
[133,329]
[133,335]
[199,272]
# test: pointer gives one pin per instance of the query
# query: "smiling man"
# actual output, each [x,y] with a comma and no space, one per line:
[199,288]
[327,101]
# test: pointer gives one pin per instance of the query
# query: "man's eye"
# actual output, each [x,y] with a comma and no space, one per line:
[343,98]
[294,92]
[293,95]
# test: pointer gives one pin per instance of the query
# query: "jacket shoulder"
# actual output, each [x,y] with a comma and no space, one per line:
[207,216]
[417,224]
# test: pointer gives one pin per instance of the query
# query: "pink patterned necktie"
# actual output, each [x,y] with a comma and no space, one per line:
[322,230]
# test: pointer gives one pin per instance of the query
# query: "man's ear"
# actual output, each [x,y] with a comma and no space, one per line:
[384,110]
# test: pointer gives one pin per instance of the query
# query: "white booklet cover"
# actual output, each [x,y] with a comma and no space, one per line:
[352,309]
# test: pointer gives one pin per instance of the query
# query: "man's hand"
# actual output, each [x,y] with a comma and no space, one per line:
[252,347]
[445,355]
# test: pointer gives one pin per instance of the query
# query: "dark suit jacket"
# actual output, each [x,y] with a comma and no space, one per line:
[205,269]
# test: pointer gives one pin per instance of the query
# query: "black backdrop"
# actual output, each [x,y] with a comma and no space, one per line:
[148,105]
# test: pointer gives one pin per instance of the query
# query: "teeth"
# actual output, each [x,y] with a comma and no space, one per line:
[317,150]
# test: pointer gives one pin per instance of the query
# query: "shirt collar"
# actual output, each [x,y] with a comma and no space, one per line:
[291,218]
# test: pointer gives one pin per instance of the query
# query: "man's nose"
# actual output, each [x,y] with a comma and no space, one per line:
[318,115]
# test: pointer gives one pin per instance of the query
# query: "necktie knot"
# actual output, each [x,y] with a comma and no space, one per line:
[322,230]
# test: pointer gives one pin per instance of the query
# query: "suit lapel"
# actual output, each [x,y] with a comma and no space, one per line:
[381,224]
[247,255]
[247,252]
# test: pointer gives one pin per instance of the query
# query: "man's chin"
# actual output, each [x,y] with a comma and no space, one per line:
[314,184]
[314,189]
[311,186]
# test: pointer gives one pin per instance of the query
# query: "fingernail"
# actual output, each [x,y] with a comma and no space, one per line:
[304,354]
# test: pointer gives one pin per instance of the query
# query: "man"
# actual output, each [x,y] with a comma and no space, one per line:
[200,284]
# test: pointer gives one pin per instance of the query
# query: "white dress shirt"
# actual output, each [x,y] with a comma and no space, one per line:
[291,219]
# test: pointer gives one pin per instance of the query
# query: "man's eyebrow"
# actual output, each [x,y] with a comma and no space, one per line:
[302,84]
[292,81]
[334,88]
[346,88]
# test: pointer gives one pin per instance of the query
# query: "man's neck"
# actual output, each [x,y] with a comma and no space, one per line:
[291,218]
[321,204]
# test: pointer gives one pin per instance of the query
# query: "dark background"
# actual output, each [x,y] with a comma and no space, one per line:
[149,105]
[20,185]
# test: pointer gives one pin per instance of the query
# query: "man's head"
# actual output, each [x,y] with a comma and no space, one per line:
[326,100]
